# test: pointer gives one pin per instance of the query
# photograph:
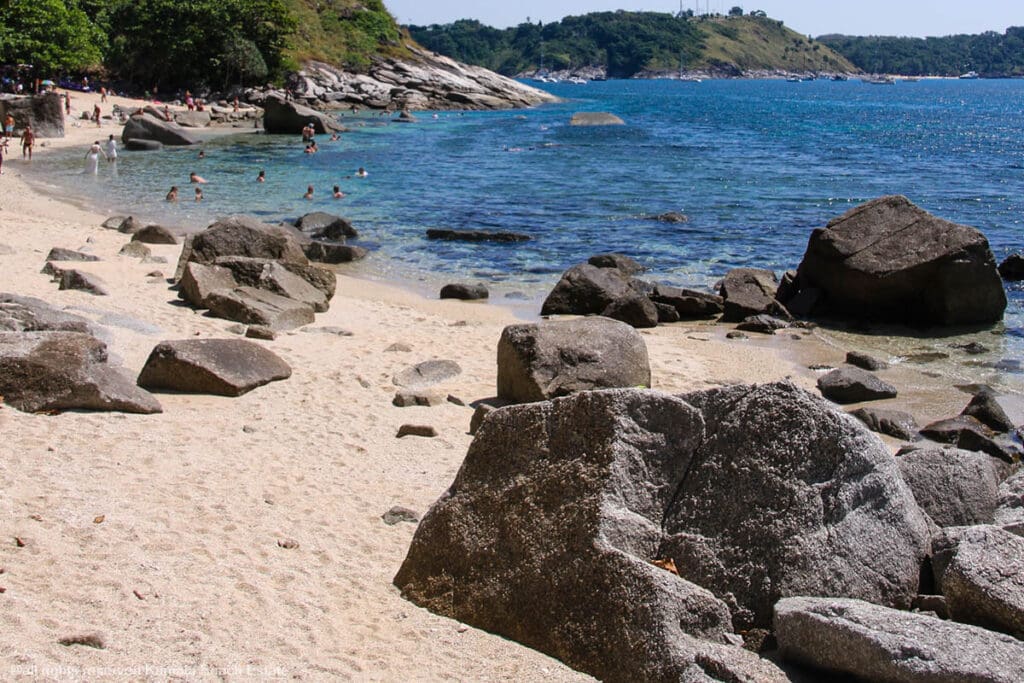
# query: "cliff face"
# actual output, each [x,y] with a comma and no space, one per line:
[421,80]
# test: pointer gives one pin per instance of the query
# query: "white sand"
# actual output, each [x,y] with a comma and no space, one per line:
[184,578]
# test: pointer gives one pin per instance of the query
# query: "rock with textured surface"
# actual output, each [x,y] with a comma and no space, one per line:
[874,643]
[895,423]
[983,579]
[155,234]
[762,324]
[635,310]
[990,409]
[853,385]
[624,264]
[426,374]
[328,252]
[224,367]
[136,250]
[1010,510]
[243,236]
[199,281]
[86,282]
[276,277]
[464,291]
[326,226]
[545,538]
[586,290]
[750,291]
[149,128]
[540,361]
[863,361]
[1012,267]
[689,304]
[42,371]
[891,260]
[61,254]
[28,314]
[969,434]
[788,496]
[288,117]
[259,307]
[955,487]
[595,118]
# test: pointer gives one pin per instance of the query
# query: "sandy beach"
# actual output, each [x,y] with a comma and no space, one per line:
[163,534]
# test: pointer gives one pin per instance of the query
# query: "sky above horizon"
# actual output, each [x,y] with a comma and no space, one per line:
[813,17]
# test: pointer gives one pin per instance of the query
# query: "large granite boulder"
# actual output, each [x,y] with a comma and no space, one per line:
[155,234]
[289,117]
[874,643]
[224,367]
[890,260]
[540,361]
[243,236]
[636,310]
[331,253]
[199,281]
[45,113]
[149,127]
[981,574]
[326,226]
[259,307]
[28,314]
[1010,510]
[788,496]
[750,291]
[547,537]
[853,385]
[43,371]
[275,277]
[586,290]
[955,487]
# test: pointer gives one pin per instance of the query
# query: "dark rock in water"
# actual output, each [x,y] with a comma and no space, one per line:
[748,519]
[689,304]
[586,290]
[670,217]
[762,324]
[258,307]
[326,226]
[325,252]
[667,313]
[243,236]
[890,260]
[955,487]
[223,367]
[198,282]
[874,643]
[553,480]
[427,374]
[405,117]
[476,236]
[86,282]
[59,254]
[853,385]
[43,371]
[1012,268]
[136,250]
[982,577]
[288,117]
[969,434]
[634,310]
[464,291]
[895,423]
[148,127]
[750,291]
[972,348]
[987,409]
[28,314]
[545,360]
[865,362]
[155,234]
[595,118]
[623,264]
[926,357]
[398,514]
[138,145]
[425,431]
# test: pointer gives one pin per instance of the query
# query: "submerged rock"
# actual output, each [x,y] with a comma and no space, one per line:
[595,118]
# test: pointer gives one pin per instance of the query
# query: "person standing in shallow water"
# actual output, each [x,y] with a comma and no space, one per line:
[172,196]
[309,192]
[111,150]
[92,158]
[262,177]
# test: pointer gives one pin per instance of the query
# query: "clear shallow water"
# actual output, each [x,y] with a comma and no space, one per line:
[756,165]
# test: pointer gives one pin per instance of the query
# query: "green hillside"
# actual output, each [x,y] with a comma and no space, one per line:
[342,32]
[628,43]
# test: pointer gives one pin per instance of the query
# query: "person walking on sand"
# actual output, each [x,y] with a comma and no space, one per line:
[103,94]
[92,158]
[111,150]
[8,126]
[28,140]
[96,114]
[309,192]
[67,103]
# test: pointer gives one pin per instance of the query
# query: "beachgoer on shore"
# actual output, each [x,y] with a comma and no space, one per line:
[96,115]
[262,176]
[167,113]
[92,158]
[236,104]
[199,194]
[172,196]
[309,192]
[67,104]
[9,126]
[361,173]
[338,194]
[3,150]
[28,141]
[111,149]
[103,94]
[189,102]
[193,178]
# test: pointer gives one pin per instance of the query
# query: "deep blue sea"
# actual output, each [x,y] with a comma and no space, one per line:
[755,165]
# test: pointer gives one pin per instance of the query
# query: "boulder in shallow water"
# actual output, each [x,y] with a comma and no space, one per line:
[689,304]
[288,117]
[595,118]
[148,127]
[968,433]
[475,236]
[224,367]
[624,264]
[635,310]
[1012,267]
[326,226]
[895,423]
[891,260]
[331,253]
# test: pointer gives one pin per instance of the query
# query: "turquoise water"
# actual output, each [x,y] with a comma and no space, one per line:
[756,165]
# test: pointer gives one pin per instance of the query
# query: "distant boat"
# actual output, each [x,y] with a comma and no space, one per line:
[794,79]
[690,79]
[969,76]
[880,80]
[576,80]
[911,79]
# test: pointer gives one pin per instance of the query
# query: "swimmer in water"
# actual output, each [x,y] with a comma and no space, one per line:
[361,173]
[193,178]
[262,177]
[199,194]
[202,154]
[309,192]
[172,196]
[338,194]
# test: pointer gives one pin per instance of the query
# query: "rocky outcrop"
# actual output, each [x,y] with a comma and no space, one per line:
[586,290]
[254,306]
[287,117]
[243,236]
[890,260]
[545,360]
[46,371]
[45,113]
[1012,267]
[424,81]
[874,643]
[749,291]
[955,487]
[199,281]
[276,277]
[224,367]
[149,127]
[853,385]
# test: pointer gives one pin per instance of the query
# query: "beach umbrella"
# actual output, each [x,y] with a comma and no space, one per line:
[47,82]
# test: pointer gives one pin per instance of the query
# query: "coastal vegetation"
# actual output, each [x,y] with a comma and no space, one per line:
[630,43]
[990,54]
